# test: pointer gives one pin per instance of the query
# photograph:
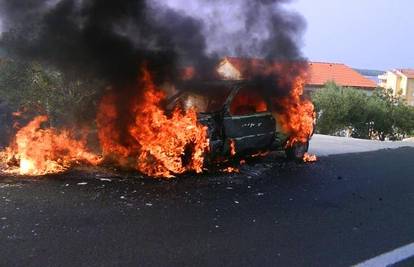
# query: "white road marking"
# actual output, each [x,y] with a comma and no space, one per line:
[390,258]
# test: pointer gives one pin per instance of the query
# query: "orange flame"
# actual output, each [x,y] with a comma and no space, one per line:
[231,170]
[37,151]
[260,154]
[298,117]
[309,158]
[232,147]
[160,145]
[247,102]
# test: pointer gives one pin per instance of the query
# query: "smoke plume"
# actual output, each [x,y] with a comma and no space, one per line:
[111,39]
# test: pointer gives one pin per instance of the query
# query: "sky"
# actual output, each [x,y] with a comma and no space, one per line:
[372,34]
[375,34]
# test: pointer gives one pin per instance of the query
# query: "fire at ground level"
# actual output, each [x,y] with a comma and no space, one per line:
[162,143]
[339,211]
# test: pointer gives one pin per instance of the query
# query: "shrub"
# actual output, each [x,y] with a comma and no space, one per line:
[29,85]
[378,116]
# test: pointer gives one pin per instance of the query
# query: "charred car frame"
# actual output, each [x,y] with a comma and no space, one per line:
[240,121]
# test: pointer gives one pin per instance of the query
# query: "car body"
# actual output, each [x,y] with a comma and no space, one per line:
[239,120]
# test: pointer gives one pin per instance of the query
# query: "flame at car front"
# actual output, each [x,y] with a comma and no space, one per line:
[152,142]
[37,151]
[297,116]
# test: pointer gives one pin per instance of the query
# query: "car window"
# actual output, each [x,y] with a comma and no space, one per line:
[217,100]
[203,102]
[199,102]
[247,102]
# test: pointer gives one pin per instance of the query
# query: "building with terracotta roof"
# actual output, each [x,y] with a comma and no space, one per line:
[401,81]
[319,73]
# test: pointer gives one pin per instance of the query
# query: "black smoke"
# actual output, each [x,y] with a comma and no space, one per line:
[112,39]
[108,39]
[261,29]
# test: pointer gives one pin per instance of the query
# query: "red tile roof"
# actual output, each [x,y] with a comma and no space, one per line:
[408,72]
[341,74]
[319,73]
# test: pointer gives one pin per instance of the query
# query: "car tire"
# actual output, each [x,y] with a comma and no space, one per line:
[297,151]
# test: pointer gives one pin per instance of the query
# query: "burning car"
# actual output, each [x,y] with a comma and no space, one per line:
[163,134]
[135,48]
[239,119]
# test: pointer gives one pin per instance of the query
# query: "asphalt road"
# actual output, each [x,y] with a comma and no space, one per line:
[339,211]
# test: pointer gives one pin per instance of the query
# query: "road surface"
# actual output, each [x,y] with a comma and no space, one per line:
[340,211]
[324,145]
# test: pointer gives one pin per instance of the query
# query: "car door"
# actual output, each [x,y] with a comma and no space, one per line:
[248,124]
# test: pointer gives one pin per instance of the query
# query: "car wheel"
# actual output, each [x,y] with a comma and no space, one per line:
[297,151]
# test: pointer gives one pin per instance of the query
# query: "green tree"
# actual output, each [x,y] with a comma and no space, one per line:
[380,115]
[404,121]
[32,86]
[356,115]
[330,106]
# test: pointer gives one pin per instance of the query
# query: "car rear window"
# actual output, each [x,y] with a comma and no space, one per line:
[204,102]
[247,102]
